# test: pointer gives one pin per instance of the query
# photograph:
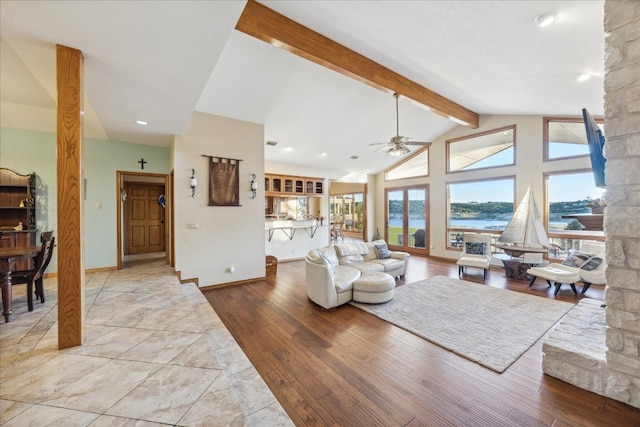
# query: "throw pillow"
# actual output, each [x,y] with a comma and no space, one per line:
[592,264]
[382,251]
[577,259]
[474,248]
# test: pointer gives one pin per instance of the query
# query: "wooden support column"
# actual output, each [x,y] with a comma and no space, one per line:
[70,183]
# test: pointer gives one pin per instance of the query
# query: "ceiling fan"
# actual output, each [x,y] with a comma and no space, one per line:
[397,145]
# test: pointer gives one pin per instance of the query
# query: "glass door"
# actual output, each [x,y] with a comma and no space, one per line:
[406,219]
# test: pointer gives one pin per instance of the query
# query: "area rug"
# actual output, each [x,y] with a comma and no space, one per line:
[491,326]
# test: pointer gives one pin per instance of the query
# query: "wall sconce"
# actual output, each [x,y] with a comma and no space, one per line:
[123,195]
[193,182]
[254,186]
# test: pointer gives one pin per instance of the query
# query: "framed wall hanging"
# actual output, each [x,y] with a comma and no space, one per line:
[224,181]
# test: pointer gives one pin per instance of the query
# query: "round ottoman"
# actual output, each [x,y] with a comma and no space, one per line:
[373,287]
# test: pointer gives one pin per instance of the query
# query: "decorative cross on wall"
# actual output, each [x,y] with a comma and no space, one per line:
[142,162]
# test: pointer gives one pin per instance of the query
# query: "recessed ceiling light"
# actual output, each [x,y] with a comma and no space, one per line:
[584,77]
[272,143]
[288,148]
[353,157]
[323,154]
[546,20]
[142,122]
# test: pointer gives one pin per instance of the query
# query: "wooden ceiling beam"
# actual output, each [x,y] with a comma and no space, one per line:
[269,26]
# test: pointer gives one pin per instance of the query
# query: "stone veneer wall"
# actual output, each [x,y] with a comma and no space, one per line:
[622,215]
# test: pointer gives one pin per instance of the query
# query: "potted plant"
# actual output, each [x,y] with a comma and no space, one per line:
[376,235]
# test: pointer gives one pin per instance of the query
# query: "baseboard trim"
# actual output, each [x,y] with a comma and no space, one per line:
[101,269]
[178,274]
[88,271]
[227,284]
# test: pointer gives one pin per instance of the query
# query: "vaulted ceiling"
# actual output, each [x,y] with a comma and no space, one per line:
[161,60]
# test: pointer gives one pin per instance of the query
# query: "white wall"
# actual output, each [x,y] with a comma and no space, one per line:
[297,170]
[227,235]
[284,248]
[529,169]
[372,206]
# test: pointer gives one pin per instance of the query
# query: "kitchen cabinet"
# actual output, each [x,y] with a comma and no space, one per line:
[283,185]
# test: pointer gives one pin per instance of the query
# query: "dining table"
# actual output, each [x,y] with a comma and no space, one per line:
[8,259]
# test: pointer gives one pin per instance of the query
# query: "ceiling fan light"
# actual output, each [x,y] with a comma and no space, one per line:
[397,151]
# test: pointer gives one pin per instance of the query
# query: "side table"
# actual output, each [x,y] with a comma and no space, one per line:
[516,268]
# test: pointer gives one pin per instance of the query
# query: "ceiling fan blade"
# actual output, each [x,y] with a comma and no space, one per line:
[387,146]
[423,143]
[381,143]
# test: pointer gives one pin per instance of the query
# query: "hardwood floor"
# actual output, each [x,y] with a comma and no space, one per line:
[345,367]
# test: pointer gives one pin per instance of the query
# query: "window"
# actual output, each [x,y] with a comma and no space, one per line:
[575,204]
[483,150]
[480,206]
[411,167]
[575,208]
[302,207]
[287,207]
[565,138]
[351,208]
[336,205]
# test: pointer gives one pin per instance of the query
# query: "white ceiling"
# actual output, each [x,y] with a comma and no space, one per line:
[161,60]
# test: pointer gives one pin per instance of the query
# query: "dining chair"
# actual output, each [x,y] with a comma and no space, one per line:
[45,236]
[35,276]
[337,230]
[337,226]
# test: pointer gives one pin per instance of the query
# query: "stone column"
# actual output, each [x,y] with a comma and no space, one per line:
[621,219]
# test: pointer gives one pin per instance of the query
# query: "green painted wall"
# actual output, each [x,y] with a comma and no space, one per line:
[28,151]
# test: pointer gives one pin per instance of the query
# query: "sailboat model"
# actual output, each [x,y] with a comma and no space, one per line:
[525,232]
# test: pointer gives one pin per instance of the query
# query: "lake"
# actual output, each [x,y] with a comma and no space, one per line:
[473,223]
[462,223]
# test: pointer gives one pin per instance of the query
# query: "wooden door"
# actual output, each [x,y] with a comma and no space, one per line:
[143,219]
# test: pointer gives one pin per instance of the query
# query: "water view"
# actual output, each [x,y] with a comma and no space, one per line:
[556,223]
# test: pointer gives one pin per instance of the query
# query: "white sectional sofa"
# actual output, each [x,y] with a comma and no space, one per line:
[331,271]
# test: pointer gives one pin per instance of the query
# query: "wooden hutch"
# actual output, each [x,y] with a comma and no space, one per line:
[17,210]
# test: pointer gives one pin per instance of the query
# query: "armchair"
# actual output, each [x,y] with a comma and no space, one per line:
[593,271]
[476,252]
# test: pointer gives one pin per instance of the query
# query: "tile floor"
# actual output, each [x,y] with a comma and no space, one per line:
[155,353]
